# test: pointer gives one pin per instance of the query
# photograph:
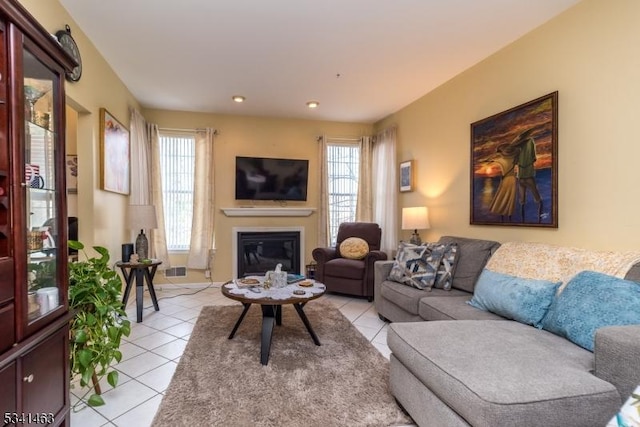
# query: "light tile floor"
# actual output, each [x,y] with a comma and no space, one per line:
[152,351]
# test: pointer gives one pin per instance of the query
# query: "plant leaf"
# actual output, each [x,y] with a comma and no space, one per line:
[80,337]
[112,378]
[86,377]
[95,400]
[74,244]
[84,356]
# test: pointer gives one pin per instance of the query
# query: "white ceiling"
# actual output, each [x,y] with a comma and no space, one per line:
[361,59]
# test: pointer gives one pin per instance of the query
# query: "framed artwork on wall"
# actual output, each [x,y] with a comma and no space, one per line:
[514,166]
[114,145]
[406,176]
[71,165]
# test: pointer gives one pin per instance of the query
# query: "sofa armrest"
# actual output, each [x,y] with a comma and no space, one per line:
[321,256]
[373,256]
[381,273]
[617,351]
[382,270]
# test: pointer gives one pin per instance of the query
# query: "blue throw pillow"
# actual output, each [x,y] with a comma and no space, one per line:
[523,300]
[590,301]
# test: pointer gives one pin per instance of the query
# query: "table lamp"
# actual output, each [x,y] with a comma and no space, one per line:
[415,218]
[141,217]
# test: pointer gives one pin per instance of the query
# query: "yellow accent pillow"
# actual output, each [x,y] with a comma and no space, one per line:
[354,248]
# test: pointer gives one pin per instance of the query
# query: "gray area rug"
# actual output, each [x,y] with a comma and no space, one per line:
[220,382]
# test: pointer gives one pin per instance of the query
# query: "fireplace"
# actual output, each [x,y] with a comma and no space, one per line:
[259,249]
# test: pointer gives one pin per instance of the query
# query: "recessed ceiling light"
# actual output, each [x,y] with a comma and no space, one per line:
[238,98]
[313,104]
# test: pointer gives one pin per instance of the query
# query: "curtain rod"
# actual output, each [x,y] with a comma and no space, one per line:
[215,131]
[352,139]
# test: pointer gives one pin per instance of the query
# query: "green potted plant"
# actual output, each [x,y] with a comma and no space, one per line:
[100,320]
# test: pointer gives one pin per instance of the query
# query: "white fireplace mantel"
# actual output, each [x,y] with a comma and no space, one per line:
[259,211]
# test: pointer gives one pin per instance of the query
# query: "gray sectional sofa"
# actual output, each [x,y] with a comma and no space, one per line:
[455,365]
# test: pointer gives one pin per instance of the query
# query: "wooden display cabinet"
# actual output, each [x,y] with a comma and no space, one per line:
[34,307]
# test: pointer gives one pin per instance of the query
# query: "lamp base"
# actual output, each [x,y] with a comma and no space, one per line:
[415,238]
[142,246]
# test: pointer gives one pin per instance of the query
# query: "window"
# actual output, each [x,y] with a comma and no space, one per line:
[343,170]
[177,164]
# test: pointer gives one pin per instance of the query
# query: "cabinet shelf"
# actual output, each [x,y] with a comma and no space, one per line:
[39,126]
[41,190]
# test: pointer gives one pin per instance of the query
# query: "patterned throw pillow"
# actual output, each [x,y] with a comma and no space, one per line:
[591,301]
[416,266]
[447,267]
[354,248]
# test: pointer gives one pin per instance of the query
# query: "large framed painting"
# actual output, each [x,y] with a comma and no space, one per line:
[514,166]
[114,144]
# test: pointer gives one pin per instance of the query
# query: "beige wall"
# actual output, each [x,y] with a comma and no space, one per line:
[101,214]
[260,137]
[591,55]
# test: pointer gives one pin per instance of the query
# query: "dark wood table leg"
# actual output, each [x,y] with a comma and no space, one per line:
[237,325]
[305,320]
[139,293]
[278,309]
[149,276]
[128,280]
[269,318]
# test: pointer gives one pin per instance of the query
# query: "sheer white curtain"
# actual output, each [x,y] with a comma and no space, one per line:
[158,236]
[323,208]
[202,227]
[144,179]
[364,206]
[141,161]
[385,185]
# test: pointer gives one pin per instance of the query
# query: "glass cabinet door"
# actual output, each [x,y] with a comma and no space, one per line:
[40,153]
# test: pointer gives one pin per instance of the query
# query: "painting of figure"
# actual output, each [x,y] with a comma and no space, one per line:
[514,166]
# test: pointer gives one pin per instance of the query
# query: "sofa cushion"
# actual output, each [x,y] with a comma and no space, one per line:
[354,248]
[452,308]
[416,266]
[524,300]
[504,373]
[408,298]
[473,256]
[344,267]
[590,301]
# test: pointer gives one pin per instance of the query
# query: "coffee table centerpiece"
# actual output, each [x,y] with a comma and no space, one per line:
[251,290]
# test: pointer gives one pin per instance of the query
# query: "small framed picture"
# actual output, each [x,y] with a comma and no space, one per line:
[72,173]
[406,176]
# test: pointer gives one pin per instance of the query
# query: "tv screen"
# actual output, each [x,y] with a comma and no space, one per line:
[260,178]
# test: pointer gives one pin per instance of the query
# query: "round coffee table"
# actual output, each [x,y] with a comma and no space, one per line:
[271,302]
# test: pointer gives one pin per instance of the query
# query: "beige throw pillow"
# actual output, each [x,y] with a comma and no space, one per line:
[354,248]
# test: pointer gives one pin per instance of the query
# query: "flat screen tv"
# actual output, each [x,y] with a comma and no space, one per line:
[261,178]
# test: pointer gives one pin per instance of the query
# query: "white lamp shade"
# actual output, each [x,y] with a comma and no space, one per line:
[141,217]
[415,218]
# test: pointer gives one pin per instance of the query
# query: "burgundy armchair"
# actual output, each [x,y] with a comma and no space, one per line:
[350,276]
